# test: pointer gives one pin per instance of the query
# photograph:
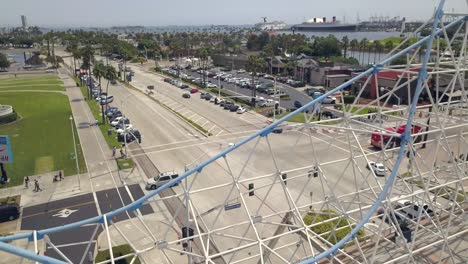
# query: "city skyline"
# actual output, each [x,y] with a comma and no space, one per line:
[207,12]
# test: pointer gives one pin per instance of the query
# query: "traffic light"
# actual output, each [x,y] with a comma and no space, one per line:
[251,191]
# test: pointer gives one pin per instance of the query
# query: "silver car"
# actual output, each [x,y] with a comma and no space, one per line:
[161,179]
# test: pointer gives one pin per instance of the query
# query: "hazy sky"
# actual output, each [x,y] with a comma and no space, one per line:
[203,12]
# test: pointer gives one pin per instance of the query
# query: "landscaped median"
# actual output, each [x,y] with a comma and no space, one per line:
[111,138]
[330,226]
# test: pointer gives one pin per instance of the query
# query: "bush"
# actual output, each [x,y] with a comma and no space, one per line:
[349,99]
[8,118]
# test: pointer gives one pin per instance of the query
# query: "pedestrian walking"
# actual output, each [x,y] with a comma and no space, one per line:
[61,176]
[36,186]
[26,182]
[114,149]
[122,154]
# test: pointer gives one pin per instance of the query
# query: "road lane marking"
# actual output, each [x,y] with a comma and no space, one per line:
[58,209]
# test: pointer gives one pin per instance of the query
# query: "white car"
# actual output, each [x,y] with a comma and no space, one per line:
[127,127]
[161,179]
[211,85]
[241,71]
[329,100]
[411,209]
[241,110]
[378,168]
[116,121]
[212,99]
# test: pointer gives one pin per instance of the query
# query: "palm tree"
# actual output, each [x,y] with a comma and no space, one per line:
[255,64]
[99,71]
[362,47]
[354,44]
[389,45]
[87,54]
[345,44]
[76,56]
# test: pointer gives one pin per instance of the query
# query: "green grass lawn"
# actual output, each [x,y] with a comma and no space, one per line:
[42,138]
[298,118]
[32,83]
[117,252]
[334,230]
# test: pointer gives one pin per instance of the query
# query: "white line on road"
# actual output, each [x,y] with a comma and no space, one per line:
[211,128]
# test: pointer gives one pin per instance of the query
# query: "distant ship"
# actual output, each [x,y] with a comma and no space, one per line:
[321,24]
[270,26]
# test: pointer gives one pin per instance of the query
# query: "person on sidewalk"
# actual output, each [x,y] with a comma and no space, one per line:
[61,176]
[36,186]
[114,149]
[122,154]
[26,182]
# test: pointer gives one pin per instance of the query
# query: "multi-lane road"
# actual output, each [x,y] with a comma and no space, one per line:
[173,145]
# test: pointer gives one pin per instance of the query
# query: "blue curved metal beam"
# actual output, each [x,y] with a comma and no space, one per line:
[265,131]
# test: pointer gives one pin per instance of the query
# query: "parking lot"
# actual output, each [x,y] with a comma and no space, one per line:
[232,81]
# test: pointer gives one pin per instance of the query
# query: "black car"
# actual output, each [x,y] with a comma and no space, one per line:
[297,104]
[208,96]
[227,105]
[277,130]
[186,95]
[233,108]
[9,212]
[129,137]
[115,115]
[184,86]
[329,114]
[111,110]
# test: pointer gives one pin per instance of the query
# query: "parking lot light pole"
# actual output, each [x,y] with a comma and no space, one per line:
[76,155]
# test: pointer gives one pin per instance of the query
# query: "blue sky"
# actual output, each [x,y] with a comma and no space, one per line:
[204,12]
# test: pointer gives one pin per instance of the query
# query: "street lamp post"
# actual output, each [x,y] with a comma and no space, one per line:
[76,155]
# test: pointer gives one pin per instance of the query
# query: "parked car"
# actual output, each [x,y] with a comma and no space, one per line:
[329,100]
[107,99]
[129,137]
[277,130]
[161,179]
[241,110]
[110,111]
[202,95]
[121,128]
[411,210]
[378,168]
[9,212]
[115,115]
[227,105]
[233,108]
[213,99]
[120,120]
[297,104]
[208,96]
[329,114]
[186,95]
[194,90]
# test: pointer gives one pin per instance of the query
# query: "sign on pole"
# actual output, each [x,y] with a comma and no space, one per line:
[6,155]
